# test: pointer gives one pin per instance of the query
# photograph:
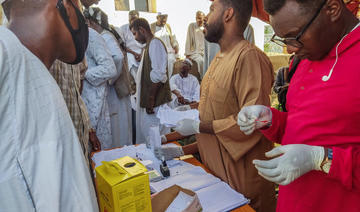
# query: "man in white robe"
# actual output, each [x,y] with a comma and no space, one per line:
[119,106]
[163,31]
[101,68]
[194,48]
[185,86]
[134,50]
[153,89]
[133,47]
[43,168]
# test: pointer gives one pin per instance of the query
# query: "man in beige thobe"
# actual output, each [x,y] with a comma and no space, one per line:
[239,75]
[194,48]
[162,30]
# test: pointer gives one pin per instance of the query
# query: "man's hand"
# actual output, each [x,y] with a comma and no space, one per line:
[290,162]
[154,88]
[176,49]
[169,152]
[187,127]
[194,105]
[137,57]
[254,117]
[163,139]
[95,143]
[181,99]
[150,110]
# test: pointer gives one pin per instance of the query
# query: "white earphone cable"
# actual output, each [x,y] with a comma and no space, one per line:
[327,77]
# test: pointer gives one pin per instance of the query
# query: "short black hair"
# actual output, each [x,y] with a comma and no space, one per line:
[134,12]
[30,5]
[273,6]
[92,14]
[243,10]
[140,22]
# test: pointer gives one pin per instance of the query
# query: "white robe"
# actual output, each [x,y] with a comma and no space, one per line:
[42,164]
[188,87]
[101,68]
[195,46]
[144,121]
[164,35]
[130,42]
[120,109]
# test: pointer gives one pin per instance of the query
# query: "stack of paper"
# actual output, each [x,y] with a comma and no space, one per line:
[169,117]
[109,155]
[180,203]
[220,197]
[193,179]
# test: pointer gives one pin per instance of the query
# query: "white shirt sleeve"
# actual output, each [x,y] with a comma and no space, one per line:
[105,67]
[115,51]
[158,57]
[196,85]
[173,86]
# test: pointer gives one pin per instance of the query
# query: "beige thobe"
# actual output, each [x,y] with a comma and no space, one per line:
[242,77]
[195,46]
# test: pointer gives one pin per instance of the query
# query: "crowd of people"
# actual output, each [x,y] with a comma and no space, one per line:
[72,84]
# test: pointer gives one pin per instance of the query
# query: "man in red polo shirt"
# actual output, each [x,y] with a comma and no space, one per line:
[318,164]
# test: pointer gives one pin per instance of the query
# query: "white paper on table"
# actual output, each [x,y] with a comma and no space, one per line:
[180,168]
[220,197]
[180,203]
[169,117]
[109,155]
[193,179]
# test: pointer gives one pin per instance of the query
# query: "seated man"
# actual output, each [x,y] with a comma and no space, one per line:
[185,86]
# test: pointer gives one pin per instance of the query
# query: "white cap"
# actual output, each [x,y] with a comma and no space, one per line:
[159,13]
[187,60]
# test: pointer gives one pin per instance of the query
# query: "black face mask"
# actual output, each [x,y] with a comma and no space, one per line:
[80,36]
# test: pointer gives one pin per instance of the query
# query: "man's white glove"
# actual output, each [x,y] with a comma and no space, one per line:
[291,162]
[187,127]
[183,108]
[254,117]
[168,152]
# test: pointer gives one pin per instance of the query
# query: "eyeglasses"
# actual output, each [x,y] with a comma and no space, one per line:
[295,41]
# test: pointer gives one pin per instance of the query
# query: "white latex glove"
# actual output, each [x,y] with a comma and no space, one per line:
[183,108]
[168,152]
[254,117]
[291,162]
[187,127]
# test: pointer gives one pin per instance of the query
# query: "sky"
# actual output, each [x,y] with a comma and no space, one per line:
[180,14]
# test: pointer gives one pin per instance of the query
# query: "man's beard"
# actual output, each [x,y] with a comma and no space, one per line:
[215,31]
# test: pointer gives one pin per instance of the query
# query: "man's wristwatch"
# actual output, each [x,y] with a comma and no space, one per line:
[326,164]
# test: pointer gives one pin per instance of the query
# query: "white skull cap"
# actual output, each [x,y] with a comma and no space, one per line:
[187,60]
[159,13]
